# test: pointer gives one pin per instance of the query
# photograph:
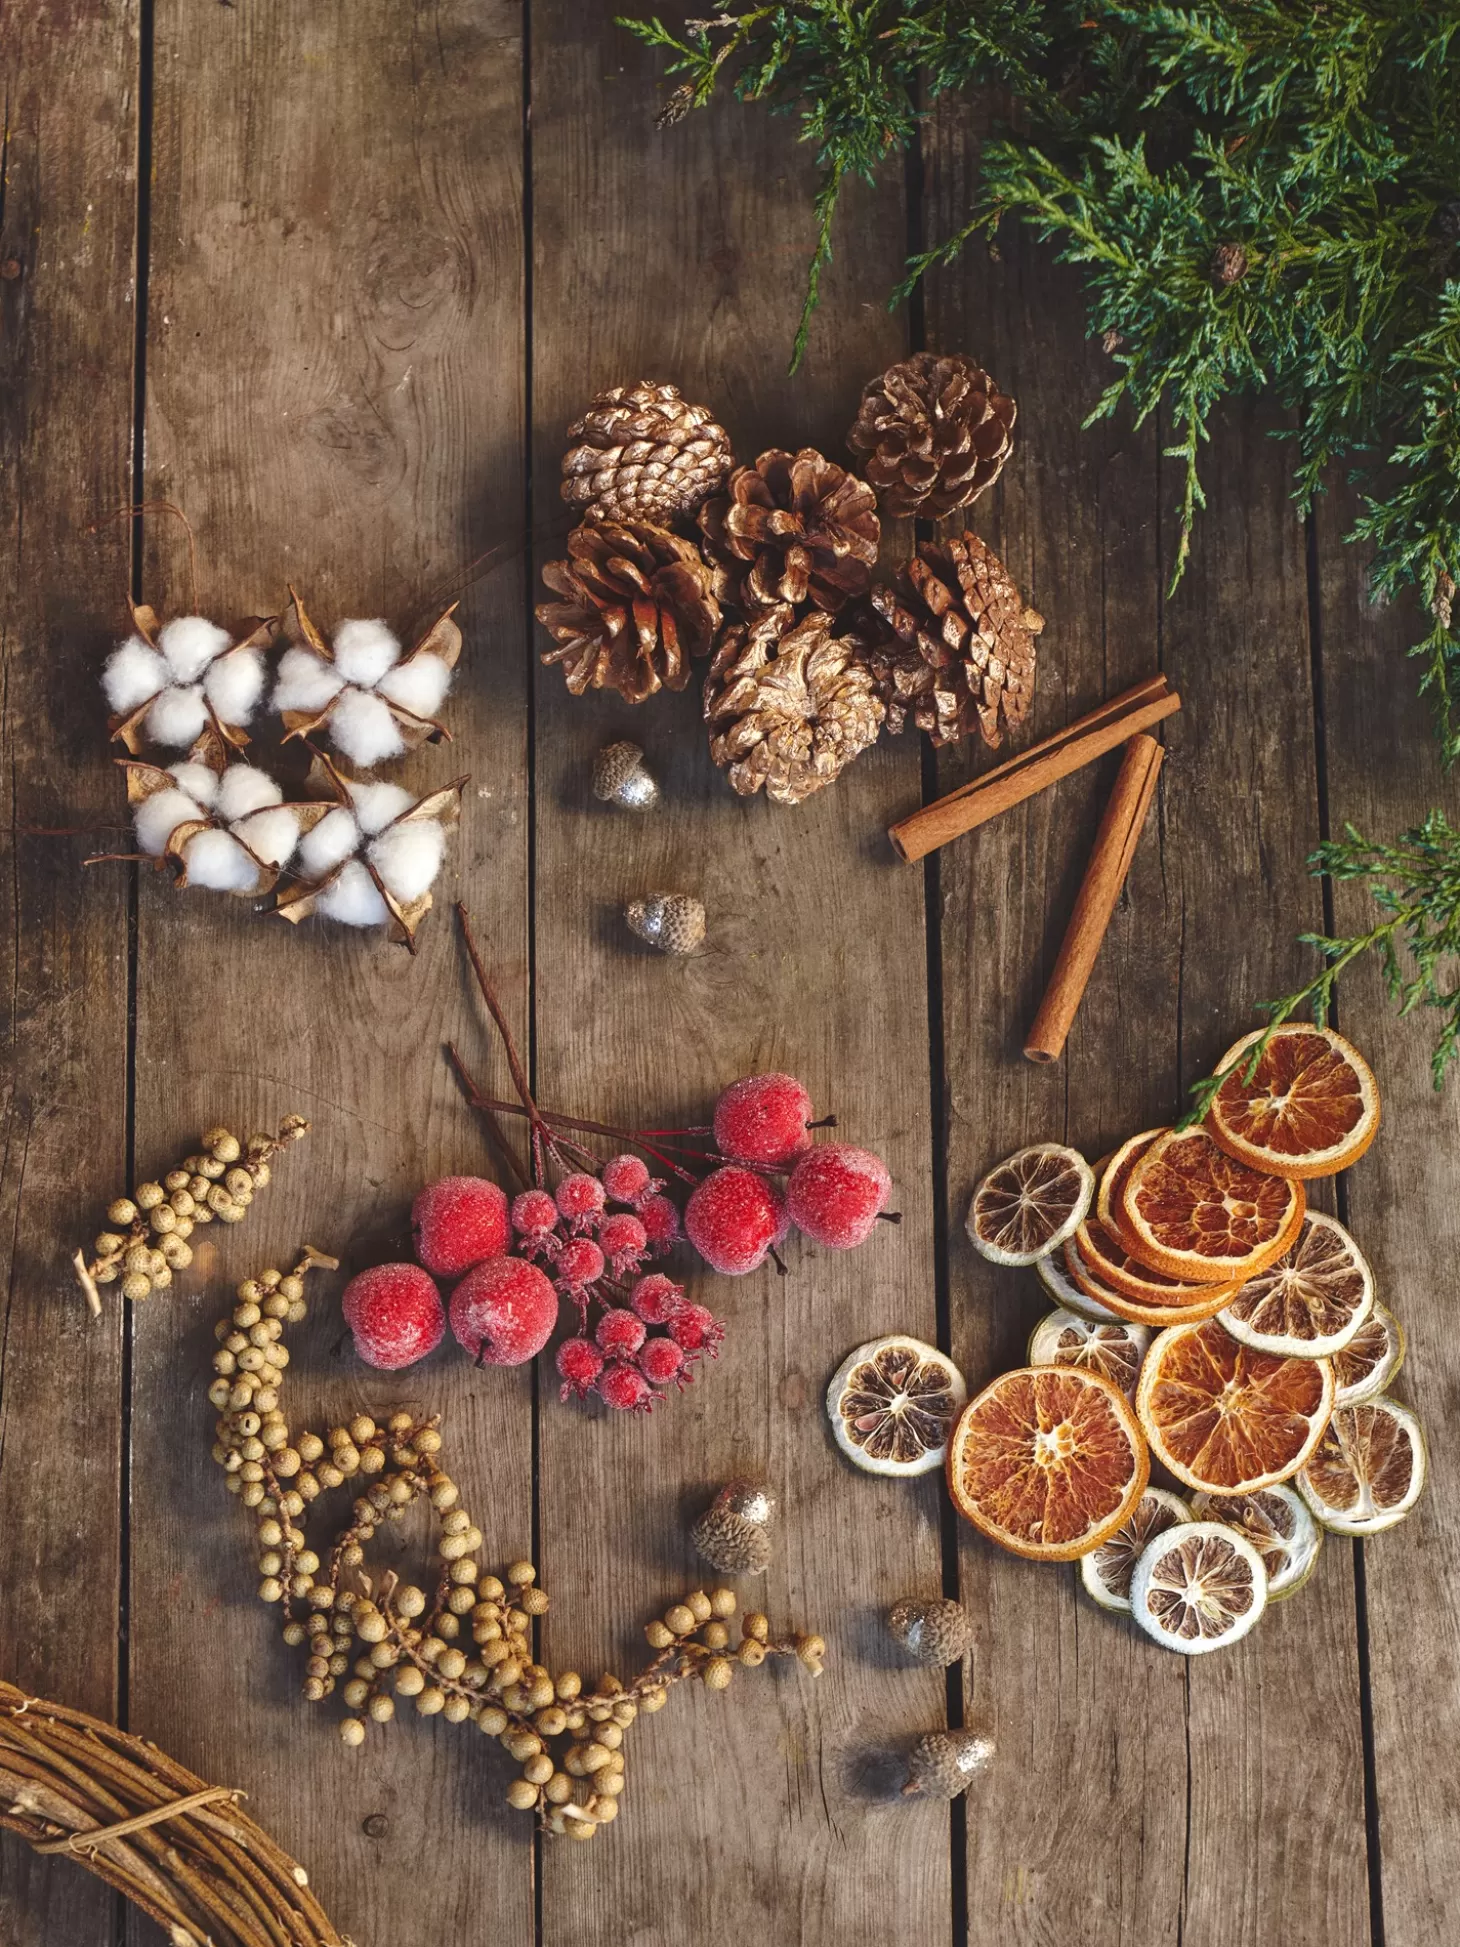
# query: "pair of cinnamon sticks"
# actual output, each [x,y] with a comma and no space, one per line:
[1126,719]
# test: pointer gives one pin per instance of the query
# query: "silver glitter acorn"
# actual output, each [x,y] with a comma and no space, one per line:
[619,778]
[674,922]
[733,1534]
[945,1763]
[935,1632]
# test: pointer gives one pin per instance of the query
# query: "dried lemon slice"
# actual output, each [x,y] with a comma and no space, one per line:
[1107,1570]
[1030,1203]
[1198,1587]
[1368,1470]
[1114,1349]
[1277,1522]
[892,1404]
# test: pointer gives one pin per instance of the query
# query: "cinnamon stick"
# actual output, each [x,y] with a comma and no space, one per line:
[1043,764]
[1110,863]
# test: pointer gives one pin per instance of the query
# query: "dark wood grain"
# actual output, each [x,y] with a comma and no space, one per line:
[66,213]
[763,1813]
[335,396]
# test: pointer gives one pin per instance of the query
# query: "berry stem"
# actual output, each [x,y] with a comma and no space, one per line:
[552,1121]
[487,1111]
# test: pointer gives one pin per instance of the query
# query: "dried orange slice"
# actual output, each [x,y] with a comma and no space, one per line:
[1197,1214]
[1198,1587]
[1312,1300]
[1048,1461]
[1369,1361]
[1277,1522]
[1368,1470]
[1113,1278]
[1225,1418]
[1057,1271]
[1114,1350]
[1106,1571]
[1115,1174]
[892,1403]
[1310,1107]
[1030,1203]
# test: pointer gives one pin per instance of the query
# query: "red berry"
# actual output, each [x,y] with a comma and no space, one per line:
[835,1193]
[395,1314]
[580,1198]
[733,1218]
[619,1333]
[694,1328]
[660,1219]
[625,1178]
[534,1217]
[504,1311]
[624,1240]
[626,1389]
[656,1298]
[458,1222]
[579,1364]
[579,1263]
[661,1361]
[763,1120]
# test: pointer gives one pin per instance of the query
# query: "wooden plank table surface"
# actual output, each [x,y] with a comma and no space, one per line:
[333,278]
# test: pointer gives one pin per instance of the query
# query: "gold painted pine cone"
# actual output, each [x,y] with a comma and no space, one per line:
[792,528]
[636,606]
[789,705]
[643,453]
[958,652]
[934,433]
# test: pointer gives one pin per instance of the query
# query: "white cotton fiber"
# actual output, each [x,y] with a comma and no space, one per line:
[334,838]
[244,788]
[159,816]
[200,781]
[133,673]
[354,898]
[408,857]
[234,685]
[177,718]
[362,727]
[271,834]
[216,861]
[363,651]
[377,804]
[306,683]
[189,643]
[419,686]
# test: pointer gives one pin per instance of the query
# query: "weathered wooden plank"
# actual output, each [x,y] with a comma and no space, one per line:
[1383,774]
[67,193]
[754,1815]
[336,399]
[1168,1815]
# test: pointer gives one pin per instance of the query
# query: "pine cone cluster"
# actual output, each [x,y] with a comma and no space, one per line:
[767,570]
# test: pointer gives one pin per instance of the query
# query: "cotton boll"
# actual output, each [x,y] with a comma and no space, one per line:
[363,728]
[306,683]
[419,686]
[133,673]
[363,651]
[189,643]
[244,788]
[377,804]
[159,816]
[408,857]
[219,862]
[354,898]
[200,781]
[234,685]
[334,838]
[177,718]
[271,834]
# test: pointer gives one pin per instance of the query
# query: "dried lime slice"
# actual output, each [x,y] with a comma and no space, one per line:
[1367,1364]
[1198,1587]
[1277,1522]
[1106,1571]
[1029,1203]
[1368,1470]
[1312,1301]
[1114,1349]
[892,1404]
[1058,1270]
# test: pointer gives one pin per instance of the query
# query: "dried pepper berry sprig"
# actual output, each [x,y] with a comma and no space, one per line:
[148,1232]
[463,1649]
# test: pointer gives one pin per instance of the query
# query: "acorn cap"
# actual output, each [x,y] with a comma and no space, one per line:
[934,1632]
[945,1763]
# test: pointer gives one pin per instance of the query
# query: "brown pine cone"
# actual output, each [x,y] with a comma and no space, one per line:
[792,528]
[643,453]
[636,606]
[789,704]
[959,649]
[936,431]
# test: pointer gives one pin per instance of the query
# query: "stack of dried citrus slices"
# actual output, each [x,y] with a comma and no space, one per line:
[1210,1323]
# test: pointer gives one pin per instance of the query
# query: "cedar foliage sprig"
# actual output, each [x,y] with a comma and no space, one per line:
[1415,884]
